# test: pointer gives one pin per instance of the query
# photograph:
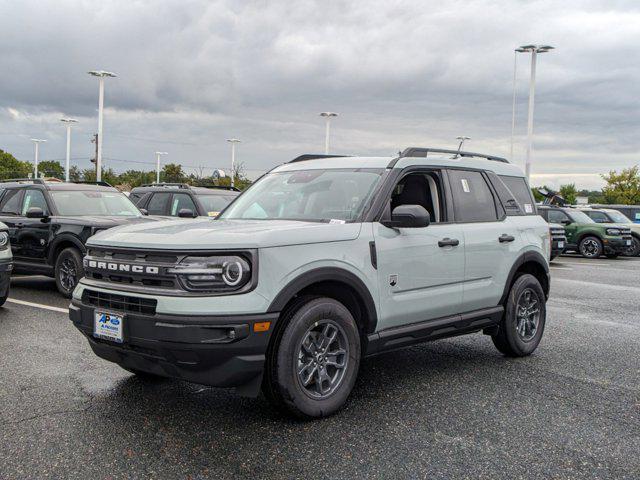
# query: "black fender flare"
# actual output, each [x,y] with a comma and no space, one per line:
[64,239]
[526,257]
[324,274]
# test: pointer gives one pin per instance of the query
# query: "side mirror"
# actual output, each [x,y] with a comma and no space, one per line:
[35,212]
[408,216]
[186,213]
[143,211]
[566,222]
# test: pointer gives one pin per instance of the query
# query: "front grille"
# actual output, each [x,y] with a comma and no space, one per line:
[119,303]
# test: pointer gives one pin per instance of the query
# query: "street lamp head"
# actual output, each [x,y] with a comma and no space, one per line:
[328,114]
[233,140]
[68,120]
[534,48]
[162,153]
[37,140]
[101,73]
[463,138]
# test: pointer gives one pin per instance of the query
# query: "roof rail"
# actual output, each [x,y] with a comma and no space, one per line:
[39,181]
[101,183]
[166,184]
[219,187]
[423,152]
[314,156]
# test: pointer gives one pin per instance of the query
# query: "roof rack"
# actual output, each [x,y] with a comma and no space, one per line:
[423,152]
[101,183]
[314,156]
[39,181]
[166,184]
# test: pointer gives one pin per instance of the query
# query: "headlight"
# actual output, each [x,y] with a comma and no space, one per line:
[4,240]
[613,231]
[220,273]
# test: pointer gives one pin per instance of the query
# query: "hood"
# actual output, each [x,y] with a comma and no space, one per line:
[105,221]
[206,233]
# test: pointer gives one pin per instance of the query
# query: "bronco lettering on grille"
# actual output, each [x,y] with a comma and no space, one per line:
[123,267]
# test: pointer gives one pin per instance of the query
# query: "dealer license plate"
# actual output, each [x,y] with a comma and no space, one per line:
[108,326]
[560,244]
[628,243]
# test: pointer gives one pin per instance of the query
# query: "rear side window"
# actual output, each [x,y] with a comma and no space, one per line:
[12,202]
[598,217]
[521,192]
[158,204]
[472,197]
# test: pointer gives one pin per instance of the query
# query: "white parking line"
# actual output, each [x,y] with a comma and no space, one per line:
[38,305]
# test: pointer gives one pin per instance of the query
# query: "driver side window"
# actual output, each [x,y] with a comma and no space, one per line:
[556,216]
[32,199]
[420,188]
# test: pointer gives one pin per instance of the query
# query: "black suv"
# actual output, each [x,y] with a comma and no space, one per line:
[49,223]
[182,200]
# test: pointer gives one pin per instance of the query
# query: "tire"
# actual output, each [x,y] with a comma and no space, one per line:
[612,255]
[634,249]
[590,247]
[301,343]
[68,270]
[144,375]
[515,342]
[3,299]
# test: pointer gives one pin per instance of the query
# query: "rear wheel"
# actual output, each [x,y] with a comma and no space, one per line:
[313,364]
[590,247]
[634,249]
[524,319]
[68,270]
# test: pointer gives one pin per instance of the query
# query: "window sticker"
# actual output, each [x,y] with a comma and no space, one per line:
[465,185]
[336,220]
[528,208]
[637,216]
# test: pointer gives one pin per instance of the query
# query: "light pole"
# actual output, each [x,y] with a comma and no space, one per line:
[327,116]
[535,50]
[37,143]
[233,142]
[101,74]
[158,155]
[68,121]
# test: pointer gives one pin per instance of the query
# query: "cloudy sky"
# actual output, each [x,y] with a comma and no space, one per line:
[192,73]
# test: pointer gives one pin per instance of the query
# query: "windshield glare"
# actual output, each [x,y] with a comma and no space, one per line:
[618,217]
[580,217]
[78,203]
[310,195]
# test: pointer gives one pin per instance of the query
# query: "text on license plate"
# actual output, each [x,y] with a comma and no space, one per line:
[108,326]
[628,243]
[560,244]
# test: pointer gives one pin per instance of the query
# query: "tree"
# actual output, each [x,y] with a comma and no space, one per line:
[569,192]
[623,187]
[172,173]
[51,168]
[10,167]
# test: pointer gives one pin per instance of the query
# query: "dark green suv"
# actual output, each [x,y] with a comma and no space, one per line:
[587,237]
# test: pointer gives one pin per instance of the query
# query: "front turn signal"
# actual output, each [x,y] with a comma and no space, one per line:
[261,326]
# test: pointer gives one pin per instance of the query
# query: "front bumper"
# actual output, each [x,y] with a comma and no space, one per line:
[221,351]
[617,245]
[558,245]
[6,267]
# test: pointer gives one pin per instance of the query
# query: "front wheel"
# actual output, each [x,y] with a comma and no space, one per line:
[312,366]
[524,319]
[68,270]
[590,247]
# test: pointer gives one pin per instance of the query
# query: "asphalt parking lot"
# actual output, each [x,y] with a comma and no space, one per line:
[448,409]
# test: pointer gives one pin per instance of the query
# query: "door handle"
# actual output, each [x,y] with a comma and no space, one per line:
[506,238]
[449,242]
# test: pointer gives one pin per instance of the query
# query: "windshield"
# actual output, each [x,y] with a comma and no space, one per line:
[579,217]
[311,195]
[618,217]
[214,204]
[76,203]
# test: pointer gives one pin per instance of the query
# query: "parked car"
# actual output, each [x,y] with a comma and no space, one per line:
[49,223]
[585,236]
[608,215]
[632,212]
[6,263]
[182,200]
[318,263]
[558,240]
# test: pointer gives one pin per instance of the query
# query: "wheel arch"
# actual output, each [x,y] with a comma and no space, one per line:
[530,262]
[62,242]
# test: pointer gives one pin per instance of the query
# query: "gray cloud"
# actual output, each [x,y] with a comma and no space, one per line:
[192,73]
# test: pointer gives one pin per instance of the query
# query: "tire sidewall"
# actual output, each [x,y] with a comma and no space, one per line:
[519,346]
[77,258]
[291,392]
[600,247]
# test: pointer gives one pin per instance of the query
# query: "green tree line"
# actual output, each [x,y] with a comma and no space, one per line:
[10,167]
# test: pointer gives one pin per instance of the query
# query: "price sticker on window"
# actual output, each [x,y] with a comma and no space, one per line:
[465,185]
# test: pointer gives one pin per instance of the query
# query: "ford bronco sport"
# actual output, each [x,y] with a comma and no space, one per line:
[322,261]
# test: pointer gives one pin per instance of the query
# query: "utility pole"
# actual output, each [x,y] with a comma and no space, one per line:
[68,122]
[101,74]
[37,143]
[158,155]
[94,160]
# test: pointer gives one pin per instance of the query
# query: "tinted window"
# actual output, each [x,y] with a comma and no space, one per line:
[12,203]
[135,197]
[472,197]
[521,191]
[557,216]
[214,204]
[33,199]
[158,204]
[180,201]
[75,203]
[598,217]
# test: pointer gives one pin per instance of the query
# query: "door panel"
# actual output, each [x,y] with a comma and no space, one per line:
[418,280]
[34,233]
